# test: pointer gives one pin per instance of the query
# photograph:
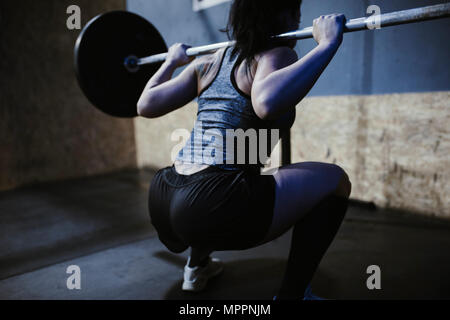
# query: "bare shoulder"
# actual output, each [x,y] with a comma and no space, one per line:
[205,64]
[278,57]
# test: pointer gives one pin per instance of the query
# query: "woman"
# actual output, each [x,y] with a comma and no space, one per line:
[212,206]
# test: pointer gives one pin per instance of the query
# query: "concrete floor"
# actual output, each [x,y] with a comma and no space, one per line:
[101,224]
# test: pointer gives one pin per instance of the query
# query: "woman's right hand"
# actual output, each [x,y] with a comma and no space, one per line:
[329,29]
[177,55]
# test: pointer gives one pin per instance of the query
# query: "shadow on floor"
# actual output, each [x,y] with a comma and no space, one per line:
[244,279]
[247,279]
[44,224]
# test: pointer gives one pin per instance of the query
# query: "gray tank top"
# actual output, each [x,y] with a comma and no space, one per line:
[223,109]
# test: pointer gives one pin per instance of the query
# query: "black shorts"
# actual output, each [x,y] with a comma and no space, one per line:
[213,209]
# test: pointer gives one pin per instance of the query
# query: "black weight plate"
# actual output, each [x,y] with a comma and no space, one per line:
[100,51]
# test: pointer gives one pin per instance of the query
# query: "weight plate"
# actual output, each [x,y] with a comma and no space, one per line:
[100,51]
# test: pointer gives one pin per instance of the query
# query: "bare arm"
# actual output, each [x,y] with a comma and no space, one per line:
[278,88]
[162,94]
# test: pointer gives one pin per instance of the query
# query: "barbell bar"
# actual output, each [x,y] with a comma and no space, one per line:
[385,20]
[112,75]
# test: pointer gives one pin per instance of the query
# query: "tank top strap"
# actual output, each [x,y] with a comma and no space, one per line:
[227,64]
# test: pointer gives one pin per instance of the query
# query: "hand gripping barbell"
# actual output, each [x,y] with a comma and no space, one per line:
[112,76]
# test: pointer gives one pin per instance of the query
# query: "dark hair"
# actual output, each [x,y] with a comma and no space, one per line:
[252,23]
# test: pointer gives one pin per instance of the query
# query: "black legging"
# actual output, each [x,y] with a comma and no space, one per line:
[311,238]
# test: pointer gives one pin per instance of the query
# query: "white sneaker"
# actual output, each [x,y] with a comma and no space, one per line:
[196,278]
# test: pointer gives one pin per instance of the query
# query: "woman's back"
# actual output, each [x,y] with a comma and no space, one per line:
[223,109]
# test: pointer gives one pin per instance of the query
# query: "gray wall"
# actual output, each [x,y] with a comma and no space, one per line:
[48,129]
[409,58]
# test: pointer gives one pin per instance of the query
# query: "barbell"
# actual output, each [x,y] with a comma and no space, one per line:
[117,52]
